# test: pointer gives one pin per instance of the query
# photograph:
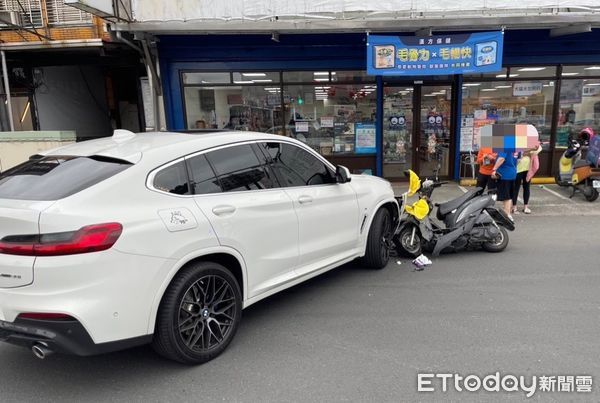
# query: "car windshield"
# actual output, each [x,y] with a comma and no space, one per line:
[56,177]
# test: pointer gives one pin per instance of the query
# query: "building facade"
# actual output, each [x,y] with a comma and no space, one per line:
[300,70]
[63,71]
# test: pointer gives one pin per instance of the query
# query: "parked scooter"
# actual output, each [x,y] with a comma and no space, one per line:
[579,174]
[470,221]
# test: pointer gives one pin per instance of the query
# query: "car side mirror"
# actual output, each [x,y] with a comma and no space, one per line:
[342,174]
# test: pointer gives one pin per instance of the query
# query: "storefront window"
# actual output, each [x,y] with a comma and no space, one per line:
[579,109]
[332,119]
[580,71]
[351,76]
[206,78]
[532,71]
[500,74]
[255,77]
[255,108]
[319,76]
[514,102]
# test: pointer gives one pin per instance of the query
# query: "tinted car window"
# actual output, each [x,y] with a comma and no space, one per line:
[297,167]
[202,176]
[238,168]
[173,179]
[53,178]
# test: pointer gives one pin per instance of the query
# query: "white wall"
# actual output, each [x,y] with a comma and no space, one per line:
[15,152]
[73,98]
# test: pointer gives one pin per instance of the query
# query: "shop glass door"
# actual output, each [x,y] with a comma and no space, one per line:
[397,131]
[434,131]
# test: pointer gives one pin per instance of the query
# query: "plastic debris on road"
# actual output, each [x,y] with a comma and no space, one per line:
[421,262]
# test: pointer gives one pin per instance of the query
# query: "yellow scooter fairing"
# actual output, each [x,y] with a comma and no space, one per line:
[414,183]
[418,209]
[565,164]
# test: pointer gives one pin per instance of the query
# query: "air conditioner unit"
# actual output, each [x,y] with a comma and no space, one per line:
[12,17]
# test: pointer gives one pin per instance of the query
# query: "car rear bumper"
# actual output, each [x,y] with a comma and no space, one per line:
[110,294]
[68,337]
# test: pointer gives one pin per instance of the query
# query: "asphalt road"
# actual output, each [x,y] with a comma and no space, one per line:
[360,335]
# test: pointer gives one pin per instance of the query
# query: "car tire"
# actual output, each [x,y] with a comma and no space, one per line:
[199,314]
[379,240]
[499,245]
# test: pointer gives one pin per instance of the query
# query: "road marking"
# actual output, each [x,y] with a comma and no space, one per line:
[463,189]
[558,195]
[550,205]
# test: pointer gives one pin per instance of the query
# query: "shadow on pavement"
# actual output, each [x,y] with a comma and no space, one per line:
[140,367]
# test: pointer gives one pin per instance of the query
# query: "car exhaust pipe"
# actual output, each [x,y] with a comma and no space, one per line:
[41,350]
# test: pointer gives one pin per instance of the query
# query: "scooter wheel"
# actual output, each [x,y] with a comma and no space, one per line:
[559,181]
[590,194]
[499,244]
[407,245]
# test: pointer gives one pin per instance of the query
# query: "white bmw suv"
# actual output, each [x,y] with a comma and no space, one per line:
[164,238]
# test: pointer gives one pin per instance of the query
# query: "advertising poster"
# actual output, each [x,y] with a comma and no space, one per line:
[591,90]
[365,138]
[467,121]
[397,122]
[301,127]
[527,88]
[466,139]
[273,99]
[326,121]
[571,92]
[480,114]
[435,55]
[344,112]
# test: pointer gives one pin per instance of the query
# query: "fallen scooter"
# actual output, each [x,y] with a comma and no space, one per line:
[470,221]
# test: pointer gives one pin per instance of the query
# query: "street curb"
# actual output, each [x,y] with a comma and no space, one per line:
[535,181]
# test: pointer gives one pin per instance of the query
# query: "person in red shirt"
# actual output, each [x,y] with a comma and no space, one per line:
[486,158]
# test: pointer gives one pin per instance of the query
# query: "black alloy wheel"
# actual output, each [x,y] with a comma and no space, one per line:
[199,314]
[379,241]
[206,313]
[386,238]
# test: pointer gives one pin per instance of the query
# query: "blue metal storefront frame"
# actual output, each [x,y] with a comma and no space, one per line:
[178,53]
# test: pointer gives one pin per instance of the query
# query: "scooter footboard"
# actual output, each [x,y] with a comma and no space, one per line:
[501,218]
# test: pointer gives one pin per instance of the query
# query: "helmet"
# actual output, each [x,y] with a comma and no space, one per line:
[586,134]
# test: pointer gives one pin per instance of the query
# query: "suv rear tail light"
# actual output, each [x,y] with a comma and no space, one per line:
[45,316]
[92,238]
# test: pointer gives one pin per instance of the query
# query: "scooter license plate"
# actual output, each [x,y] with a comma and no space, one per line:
[596,184]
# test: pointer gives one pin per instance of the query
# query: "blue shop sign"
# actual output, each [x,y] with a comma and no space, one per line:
[434,55]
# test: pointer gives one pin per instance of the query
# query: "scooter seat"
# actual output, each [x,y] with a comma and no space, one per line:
[581,164]
[447,207]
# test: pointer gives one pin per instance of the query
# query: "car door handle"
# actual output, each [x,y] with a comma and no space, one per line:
[222,210]
[305,199]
